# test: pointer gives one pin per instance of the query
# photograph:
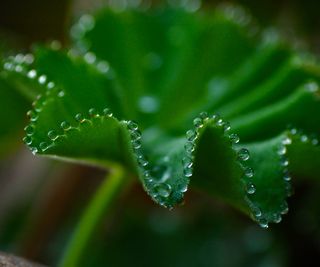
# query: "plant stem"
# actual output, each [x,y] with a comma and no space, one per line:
[100,205]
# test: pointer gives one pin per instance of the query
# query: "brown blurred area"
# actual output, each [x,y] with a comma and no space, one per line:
[35,20]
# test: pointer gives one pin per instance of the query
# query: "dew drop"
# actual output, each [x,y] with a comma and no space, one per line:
[294,131]
[284,208]
[220,122]
[79,117]
[65,126]
[29,130]
[284,162]
[93,112]
[34,150]
[189,147]
[287,176]
[147,176]
[183,188]
[287,141]
[312,87]
[107,112]
[103,66]
[249,172]
[135,135]
[28,58]
[37,105]
[61,94]
[216,117]
[55,45]
[162,189]
[192,6]
[243,154]
[90,57]
[204,115]
[315,141]
[276,218]
[282,150]
[18,68]
[133,126]
[32,74]
[197,122]
[304,138]
[50,85]
[19,58]
[87,21]
[263,223]
[148,104]
[226,127]
[256,211]
[52,135]
[288,189]
[234,138]
[191,135]
[42,79]
[32,115]
[142,161]
[8,66]
[187,172]
[251,189]
[43,146]
[187,162]
[136,144]
[27,140]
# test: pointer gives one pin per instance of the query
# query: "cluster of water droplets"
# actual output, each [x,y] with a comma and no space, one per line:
[78,31]
[33,114]
[102,66]
[20,64]
[292,136]
[155,179]
[65,127]
[236,13]
[313,88]
[243,154]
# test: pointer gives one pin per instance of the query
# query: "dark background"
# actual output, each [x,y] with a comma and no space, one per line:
[202,233]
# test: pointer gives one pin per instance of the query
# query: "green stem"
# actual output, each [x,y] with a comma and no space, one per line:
[100,205]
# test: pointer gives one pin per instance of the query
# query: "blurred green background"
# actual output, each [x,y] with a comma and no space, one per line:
[40,200]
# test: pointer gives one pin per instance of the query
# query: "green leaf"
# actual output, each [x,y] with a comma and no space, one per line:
[14,106]
[12,117]
[109,79]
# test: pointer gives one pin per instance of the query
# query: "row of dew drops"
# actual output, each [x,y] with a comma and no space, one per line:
[159,189]
[18,64]
[243,156]
[65,127]
[89,57]
[21,64]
